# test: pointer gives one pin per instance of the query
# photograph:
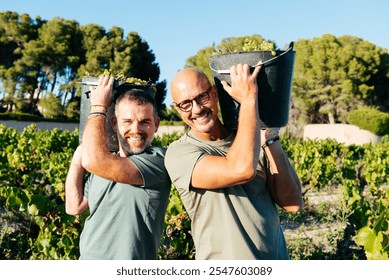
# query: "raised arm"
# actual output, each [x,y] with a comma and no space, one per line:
[96,157]
[75,201]
[283,181]
[239,165]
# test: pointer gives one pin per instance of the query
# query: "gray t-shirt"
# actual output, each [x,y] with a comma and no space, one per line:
[238,222]
[126,221]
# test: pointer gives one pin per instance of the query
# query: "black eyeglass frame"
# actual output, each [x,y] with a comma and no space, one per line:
[190,101]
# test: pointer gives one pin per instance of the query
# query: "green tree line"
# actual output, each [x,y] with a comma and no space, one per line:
[43,61]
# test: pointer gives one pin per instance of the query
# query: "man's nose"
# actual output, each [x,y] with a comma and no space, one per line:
[196,107]
[135,127]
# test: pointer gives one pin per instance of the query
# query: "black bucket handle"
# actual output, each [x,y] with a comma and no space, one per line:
[260,62]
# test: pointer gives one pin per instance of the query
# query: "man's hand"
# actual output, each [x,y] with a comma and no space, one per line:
[102,94]
[243,84]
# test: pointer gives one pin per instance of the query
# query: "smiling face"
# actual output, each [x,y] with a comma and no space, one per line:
[190,85]
[135,125]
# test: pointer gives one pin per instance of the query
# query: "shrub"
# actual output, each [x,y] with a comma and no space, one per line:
[370,119]
[19,117]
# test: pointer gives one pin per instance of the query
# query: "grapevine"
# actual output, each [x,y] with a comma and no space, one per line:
[34,225]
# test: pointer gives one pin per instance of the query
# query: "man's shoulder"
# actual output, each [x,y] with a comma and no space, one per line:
[185,142]
[150,153]
[156,149]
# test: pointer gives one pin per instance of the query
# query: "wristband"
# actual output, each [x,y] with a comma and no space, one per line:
[98,105]
[98,114]
[270,141]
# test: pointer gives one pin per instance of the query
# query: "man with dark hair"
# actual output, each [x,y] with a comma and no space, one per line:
[126,193]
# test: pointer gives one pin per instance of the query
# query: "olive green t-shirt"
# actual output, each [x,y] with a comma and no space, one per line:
[239,222]
[126,221]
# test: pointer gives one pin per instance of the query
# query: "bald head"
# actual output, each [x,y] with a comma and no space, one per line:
[187,80]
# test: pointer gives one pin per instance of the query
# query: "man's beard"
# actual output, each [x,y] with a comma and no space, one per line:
[130,150]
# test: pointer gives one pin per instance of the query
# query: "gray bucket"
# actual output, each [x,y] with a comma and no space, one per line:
[274,84]
[85,109]
[118,89]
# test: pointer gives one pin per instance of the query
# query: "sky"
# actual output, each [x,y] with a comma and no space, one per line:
[178,29]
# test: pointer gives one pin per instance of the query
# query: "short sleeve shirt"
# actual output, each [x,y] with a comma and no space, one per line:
[126,221]
[238,222]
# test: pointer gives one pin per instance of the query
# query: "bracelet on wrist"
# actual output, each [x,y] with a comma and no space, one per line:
[97,114]
[98,105]
[271,141]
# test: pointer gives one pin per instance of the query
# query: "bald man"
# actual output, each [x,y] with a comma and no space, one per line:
[229,188]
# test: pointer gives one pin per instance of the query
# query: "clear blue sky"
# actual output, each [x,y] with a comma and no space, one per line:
[177,29]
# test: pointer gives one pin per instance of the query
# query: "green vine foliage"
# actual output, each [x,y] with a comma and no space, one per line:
[34,225]
[177,242]
[374,235]
[318,163]
[34,165]
[362,174]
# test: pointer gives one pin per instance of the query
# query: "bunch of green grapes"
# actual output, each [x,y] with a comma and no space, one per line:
[120,77]
[131,80]
[252,45]
[177,223]
[248,46]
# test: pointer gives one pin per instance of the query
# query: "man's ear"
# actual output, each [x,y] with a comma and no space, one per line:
[114,123]
[157,121]
[214,92]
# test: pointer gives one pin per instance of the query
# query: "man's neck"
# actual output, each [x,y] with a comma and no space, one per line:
[218,132]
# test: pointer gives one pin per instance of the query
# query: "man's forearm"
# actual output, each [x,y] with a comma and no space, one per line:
[95,146]
[284,184]
[75,202]
[244,151]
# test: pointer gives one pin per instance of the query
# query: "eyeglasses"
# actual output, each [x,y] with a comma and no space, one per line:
[200,99]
